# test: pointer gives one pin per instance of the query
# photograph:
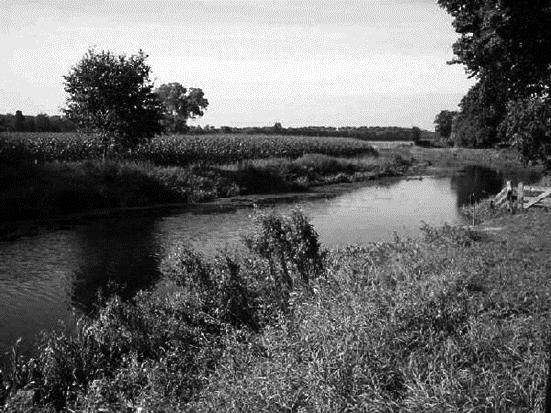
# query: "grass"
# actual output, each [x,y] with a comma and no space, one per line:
[442,160]
[47,190]
[455,321]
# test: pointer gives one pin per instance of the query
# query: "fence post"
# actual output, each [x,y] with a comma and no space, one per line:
[509,187]
[520,196]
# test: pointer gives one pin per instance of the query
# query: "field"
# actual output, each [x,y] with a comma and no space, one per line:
[177,150]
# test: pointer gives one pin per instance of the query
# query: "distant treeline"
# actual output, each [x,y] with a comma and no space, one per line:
[372,133]
[44,123]
[38,123]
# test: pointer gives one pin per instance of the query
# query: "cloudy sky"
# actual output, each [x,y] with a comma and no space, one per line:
[298,62]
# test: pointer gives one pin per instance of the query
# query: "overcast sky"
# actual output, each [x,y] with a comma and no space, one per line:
[298,62]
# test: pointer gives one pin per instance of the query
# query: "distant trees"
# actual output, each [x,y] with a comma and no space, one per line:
[179,105]
[113,96]
[38,123]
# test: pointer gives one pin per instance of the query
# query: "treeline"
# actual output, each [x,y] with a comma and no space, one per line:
[44,123]
[370,133]
[38,123]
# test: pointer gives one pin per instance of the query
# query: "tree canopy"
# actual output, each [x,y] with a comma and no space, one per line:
[180,104]
[506,46]
[113,96]
[443,123]
[508,41]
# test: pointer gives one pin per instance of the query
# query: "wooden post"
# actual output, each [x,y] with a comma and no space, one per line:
[520,196]
[509,192]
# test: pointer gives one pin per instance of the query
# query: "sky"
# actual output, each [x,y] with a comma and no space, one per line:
[297,62]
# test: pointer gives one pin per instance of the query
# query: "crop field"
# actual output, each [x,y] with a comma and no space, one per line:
[176,149]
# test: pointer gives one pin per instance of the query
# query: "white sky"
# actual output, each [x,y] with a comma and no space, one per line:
[298,62]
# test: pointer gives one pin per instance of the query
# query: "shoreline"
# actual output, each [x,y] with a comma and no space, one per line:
[27,227]
[420,162]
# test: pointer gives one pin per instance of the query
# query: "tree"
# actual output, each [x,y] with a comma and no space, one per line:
[528,127]
[42,123]
[19,121]
[508,41]
[180,104]
[443,123]
[506,45]
[113,96]
[483,109]
[416,135]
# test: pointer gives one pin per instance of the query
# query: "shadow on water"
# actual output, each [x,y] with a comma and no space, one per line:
[47,278]
[478,181]
[119,257]
[483,182]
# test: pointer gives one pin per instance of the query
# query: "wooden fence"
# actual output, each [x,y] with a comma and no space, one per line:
[523,196]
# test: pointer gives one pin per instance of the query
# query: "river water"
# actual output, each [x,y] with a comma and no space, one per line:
[48,277]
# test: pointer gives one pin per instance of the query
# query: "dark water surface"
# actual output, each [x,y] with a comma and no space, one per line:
[49,276]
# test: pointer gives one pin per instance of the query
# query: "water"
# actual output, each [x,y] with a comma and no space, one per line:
[50,276]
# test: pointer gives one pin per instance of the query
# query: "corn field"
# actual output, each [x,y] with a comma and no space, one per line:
[176,149]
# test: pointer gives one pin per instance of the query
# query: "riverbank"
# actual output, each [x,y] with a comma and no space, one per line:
[66,191]
[443,161]
[457,320]
[55,194]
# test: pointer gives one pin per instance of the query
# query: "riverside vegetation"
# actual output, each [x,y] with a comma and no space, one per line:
[45,175]
[456,321]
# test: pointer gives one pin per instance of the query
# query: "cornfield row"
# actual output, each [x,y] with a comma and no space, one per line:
[175,149]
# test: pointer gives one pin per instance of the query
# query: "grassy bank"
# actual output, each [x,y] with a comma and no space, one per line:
[43,190]
[457,321]
[443,160]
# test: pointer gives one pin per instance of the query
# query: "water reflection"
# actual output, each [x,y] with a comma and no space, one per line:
[115,256]
[478,181]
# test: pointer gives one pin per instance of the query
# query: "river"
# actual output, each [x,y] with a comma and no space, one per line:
[47,277]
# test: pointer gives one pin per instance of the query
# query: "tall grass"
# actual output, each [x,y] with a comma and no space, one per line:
[457,321]
[51,189]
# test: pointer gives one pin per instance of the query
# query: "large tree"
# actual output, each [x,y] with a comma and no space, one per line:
[112,95]
[508,41]
[506,46]
[180,104]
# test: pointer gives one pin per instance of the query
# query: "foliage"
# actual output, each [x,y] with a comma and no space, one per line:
[506,44]
[443,124]
[415,135]
[455,322]
[166,343]
[46,190]
[180,104]
[528,128]
[482,110]
[507,41]
[175,149]
[39,123]
[112,95]
[288,242]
